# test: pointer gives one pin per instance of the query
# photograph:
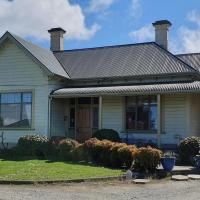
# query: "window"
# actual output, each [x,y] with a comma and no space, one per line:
[141,113]
[16,110]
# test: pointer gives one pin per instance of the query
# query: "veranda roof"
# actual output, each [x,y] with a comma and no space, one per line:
[128,90]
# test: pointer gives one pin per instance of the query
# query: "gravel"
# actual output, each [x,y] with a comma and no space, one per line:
[163,190]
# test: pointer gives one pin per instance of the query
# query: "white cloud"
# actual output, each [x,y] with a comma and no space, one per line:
[99,5]
[33,18]
[144,34]
[190,38]
[136,9]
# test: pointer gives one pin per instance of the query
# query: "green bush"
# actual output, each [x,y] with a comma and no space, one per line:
[66,148]
[33,145]
[107,134]
[147,159]
[188,148]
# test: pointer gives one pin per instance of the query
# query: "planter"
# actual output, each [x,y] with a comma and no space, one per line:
[168,163]
[197,161]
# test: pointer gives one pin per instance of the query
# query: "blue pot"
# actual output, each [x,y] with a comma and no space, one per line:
[197,161]
[168,163]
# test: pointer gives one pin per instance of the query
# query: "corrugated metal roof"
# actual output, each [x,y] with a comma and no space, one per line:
[192,59]
[129,90]
[121,61]
[44,56]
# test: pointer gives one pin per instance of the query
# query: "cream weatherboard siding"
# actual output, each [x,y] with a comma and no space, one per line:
[113,113]
[175,116]
[194,115]
[20,73]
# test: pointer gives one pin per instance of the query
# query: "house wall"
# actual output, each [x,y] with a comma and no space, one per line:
[194,115]
[174,118]
[19,73]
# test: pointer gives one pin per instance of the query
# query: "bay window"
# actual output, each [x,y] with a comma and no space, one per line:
[141,113]
[15,110]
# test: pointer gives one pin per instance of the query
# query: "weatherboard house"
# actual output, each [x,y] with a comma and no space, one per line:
[143,91]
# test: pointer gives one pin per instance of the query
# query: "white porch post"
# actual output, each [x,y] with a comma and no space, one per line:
[159,120]
[100,112]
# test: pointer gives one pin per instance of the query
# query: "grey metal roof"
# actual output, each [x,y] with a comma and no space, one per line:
[129,90]
[44,56]
[121,61]
[192,59]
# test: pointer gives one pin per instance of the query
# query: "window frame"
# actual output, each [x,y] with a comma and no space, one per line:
[21,108]
[149,130]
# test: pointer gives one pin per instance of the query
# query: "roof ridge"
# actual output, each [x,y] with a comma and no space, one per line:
[175,56]
[102,47]
[187,54]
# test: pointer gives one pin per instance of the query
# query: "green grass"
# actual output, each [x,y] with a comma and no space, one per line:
[45,170]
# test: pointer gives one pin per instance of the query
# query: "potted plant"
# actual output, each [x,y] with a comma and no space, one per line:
[197,161]
[168,161]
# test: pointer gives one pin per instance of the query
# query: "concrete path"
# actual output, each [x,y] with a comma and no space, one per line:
[163,190]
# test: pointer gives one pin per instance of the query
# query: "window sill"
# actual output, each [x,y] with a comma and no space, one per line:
[140,132]
[17,129]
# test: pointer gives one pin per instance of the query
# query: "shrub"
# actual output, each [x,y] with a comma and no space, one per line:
[109,153]
[66,148]
[107,134]
[147,159]
[127,155]
[33,145]
[56,139]
[188,148]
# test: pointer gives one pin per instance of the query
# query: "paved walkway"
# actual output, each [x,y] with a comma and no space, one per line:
[162,190]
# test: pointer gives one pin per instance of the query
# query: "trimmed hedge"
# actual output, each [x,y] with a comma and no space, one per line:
[109,153]
[147,159]
[188,148]
[66,149]
[107,134]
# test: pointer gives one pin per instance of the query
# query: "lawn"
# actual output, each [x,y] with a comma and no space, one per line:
[45,170]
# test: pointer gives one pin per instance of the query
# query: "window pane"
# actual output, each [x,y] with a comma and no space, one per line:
[27,97]
[26,115]
[11,98]
[96,100]
[130,118]
[72,101]
[95,122]
[10,115]
[143,113]
[72,118]
[86,100]
[131,113]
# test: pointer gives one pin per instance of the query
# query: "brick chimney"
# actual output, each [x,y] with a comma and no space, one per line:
[161,32]
[57,39]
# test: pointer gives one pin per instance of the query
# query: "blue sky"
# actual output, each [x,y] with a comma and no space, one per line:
[91,23]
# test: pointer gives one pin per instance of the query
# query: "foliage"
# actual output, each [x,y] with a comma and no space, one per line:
[66,148]
[107,134]
[127,154]
[109,153]
[188,148]
[147,159]
[33,145]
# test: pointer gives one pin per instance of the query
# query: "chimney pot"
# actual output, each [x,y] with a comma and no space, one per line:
[57,39]
[161,32]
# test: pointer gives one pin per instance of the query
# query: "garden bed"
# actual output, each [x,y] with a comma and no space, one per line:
[40,170]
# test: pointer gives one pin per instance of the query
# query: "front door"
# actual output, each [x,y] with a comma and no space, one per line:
[83,123]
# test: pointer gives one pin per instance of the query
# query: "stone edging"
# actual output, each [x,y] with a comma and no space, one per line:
[30,182]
